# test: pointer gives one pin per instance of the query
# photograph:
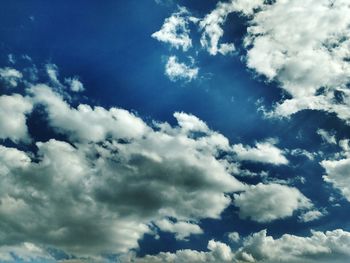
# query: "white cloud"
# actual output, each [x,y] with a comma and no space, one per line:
[212,24]
[304,45]
[234,237]
[326,136]
[329,246]
[74,84]
[13,111]
[176,70]
[264,152]
[311,215]
[52,72]
[337,173]
[10,76]
[182,230]
[175,30]
[212,30]
[218,253]
[267,202]
[303,152]
[114,176]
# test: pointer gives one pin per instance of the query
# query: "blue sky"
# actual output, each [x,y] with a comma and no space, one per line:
[174,131]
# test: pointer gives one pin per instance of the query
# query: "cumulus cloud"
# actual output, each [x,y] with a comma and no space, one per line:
[176,70]
[267,202]
[264,152]
[306,50]
[218,253]
[337,173]
[13,111]
[114,176]
[182,230]
[175,30]
[329,246]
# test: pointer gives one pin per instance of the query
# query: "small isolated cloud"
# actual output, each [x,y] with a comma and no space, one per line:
[52,72]
[10,76]
[326,136]
[182,230]
[264,203]
[264,152]
[175,30]
[74,84]
[234,237]
[311,215]
[176,70]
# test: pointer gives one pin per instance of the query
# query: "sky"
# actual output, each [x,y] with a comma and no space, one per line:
[174,131]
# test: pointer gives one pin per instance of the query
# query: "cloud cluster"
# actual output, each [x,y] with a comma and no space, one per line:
[106,177]
[111,180]
[329,246]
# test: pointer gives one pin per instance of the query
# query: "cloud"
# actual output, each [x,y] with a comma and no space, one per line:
[182,230]
[25,252]
[13,112]
[234,237]
[311,215]
[175,30]
[52,72]
[264,152]
[114,176]
[10,76]
[218,253]
[329,246]
[264,203]
[176,70]
[326,136]
[306,51]
[337,173]
[211,25]
[74,84]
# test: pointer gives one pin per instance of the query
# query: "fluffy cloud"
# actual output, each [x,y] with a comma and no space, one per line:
[218,253]
[264,152]
[329,246]
[175,30]
[114,176]
[13,111]
[337,173]
[176,70]
[267,202]
[182,230]
[306,50]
